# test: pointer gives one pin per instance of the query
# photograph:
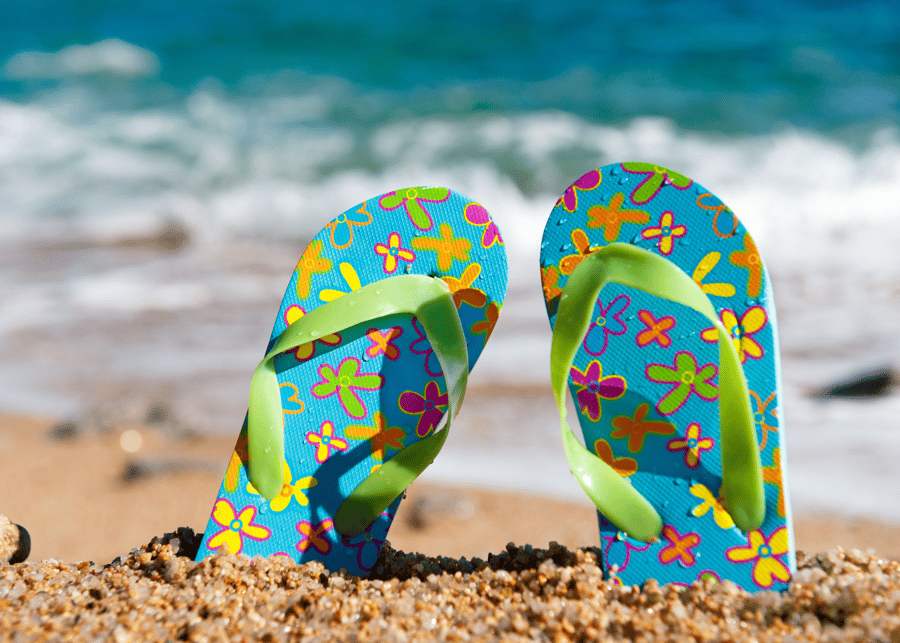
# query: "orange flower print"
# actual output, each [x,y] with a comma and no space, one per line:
[720,514]
[636,428]
[759,416]
[312,536]
[751,322]
[465,280]
[549,280]
[382,342]
[378,434]
[486,326]
[310,263]
[765,554]
[582,245]
[656,330]
[693,444]
[666,232]
[446,246]
[235,527]
[772,475]
[342,227]
[679,547]
[749,258]
[611,218]
[623,466]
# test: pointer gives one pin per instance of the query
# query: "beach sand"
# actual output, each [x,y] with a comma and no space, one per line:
[86,499]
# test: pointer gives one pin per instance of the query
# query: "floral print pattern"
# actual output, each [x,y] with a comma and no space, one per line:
[666,231]
[687,378]
[656,177]
[379,435]
[637,427]
[383,342]
[611,217]
[589,181]
[447,246]
[765,553]
[609,322]
[393,253]
[656,331]
[290,489]
[429,407]
[477,215]
[413,201]
[325,442]
[345,382]
[593,387]
[236,525]
[741,330]
[678,548]
[313,536]
[341,228]
[720,514]
[693,444]
[310,263]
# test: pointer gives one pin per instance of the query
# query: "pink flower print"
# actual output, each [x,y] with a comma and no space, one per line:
[382,342]
[608,323]
[679,547]
[429,407]
[765,554]
[423,347]
[477,215]
[656,331]
[619,548]
[666,232]
[693,444]
[413,200]
[235,527]
[367,545]
[325,441]
[594,387]
[393,252]
[312,536]
[686,379]
[751,322]
[306,352]
[344,383]
[589,181]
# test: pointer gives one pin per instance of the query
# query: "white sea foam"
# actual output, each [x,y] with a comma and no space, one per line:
[112,56]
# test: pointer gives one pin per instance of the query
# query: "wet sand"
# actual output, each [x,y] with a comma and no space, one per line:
[86,500]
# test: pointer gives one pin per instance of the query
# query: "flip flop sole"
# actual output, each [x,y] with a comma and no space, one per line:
[352,400]
[645,377]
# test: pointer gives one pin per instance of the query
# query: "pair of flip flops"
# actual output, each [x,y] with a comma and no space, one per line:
[663,329]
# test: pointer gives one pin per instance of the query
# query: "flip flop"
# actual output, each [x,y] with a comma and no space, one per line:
[388,308]
[664,329]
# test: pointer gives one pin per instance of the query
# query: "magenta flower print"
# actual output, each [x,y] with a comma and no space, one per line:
[393,252]
[609,322]
[345,382]
[593,386]
[687,378]
[619,548]
[413,201]
[477,215]
[589,181]
[422,346]
[429,407]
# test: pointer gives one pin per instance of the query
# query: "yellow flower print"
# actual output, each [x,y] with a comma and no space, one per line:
[751,322]
[288,490]
[235,527]
[446,246]
[765,554]
[704,268]
[348,272]
[310,263]
[720,514]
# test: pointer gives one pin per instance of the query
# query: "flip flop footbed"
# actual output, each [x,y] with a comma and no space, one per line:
[354,399]
[645,379]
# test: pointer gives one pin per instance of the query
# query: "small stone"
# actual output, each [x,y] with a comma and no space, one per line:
[15,542]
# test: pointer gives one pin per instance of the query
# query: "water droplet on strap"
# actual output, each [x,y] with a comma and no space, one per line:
[264,508]
[314,333]
[407,269]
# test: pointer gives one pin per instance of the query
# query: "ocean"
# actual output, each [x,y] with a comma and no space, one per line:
[162,165]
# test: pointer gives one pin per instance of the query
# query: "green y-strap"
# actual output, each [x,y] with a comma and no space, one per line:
[428,299]
[742,483]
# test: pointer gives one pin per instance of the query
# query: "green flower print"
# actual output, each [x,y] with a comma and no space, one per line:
[656,177]
[413,200]
[686,379]
[344,382]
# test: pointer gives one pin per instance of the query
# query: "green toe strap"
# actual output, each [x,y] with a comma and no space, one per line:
[742,483]
[429,300]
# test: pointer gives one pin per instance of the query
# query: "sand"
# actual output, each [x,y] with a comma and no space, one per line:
[87,499]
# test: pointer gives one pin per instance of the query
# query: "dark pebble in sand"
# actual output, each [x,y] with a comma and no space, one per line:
[877,383]
[64,431]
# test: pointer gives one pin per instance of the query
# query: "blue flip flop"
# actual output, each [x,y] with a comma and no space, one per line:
[664,329]
[387,310]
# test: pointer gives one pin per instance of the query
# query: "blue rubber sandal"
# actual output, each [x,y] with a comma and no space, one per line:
[664,330]
[389,307]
